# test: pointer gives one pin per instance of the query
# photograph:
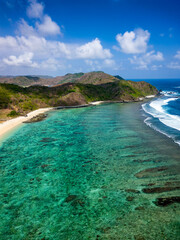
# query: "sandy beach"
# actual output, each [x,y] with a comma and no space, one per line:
[97,102]
[7,126]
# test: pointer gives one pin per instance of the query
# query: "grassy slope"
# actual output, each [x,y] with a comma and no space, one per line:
[18,100]
[96,78]
[87,78]
[36,80]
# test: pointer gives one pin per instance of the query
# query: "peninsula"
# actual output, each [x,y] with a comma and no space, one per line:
[18,99]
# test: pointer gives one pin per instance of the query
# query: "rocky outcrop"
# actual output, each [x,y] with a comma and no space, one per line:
[160,189]
[37,118]
[165,201]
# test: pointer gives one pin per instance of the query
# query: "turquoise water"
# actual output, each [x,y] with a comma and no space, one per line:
[79,174]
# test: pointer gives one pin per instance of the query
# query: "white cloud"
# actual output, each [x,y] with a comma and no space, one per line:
[93,64]
[48,52]
[52,64]
[152,56]
[23,60]
[174,65]
[44,26]
[109,63]
[101,64]
[116,48]
[145,60]
[93,50]
[156,67]
[31,48]
[35,9]
[133,42]
[8,41]
[177,55]
[25,29]
[48,27]
[89,62]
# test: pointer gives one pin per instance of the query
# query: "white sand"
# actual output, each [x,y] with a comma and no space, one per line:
[96,103]
[10,124]
[150,96]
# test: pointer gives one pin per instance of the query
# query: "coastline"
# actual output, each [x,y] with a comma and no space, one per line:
[71,148]
[9,125]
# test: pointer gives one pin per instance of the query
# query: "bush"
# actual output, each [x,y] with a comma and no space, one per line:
[29,106]
[13,114]
[4,98]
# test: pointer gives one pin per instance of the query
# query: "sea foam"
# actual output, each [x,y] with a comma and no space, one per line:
[156,109]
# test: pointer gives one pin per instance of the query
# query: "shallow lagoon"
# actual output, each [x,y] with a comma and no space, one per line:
[80,174]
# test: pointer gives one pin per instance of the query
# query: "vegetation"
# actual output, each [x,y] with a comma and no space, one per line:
[13,113]
[97,77]
[4,97]
[119,77]
[18,100]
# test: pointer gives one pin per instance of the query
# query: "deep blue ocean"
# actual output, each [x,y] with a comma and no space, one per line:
[163,112]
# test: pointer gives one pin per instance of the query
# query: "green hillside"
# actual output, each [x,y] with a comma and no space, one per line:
[16,100]
[96,78]
[86,78]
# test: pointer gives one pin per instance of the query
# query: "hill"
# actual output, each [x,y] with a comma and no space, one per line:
[96,78]
[16,100]
[26,81]
[86,78]
[69,77]
[21,80]
[119,77]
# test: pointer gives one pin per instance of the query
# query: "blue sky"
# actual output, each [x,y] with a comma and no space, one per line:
[132,38]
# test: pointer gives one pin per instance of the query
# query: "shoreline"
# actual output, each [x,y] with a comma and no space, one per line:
[9,125]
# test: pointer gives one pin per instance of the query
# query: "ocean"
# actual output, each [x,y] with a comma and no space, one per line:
[163,113]
[100,172]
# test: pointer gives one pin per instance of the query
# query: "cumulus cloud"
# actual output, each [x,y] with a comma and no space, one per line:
[7,42]
[174,65]
[145,60]
[133,42]
[52,64]
[25,29]
[48,27]
[44,25]
[156,67]
[101,64]
[109,63]
[35,9]
[93,50]
[93,65]
[23,60]
[177,55]
[31,43]
[43,50]
[45,28]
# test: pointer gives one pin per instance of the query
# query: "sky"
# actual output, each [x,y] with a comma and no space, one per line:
[136,39]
